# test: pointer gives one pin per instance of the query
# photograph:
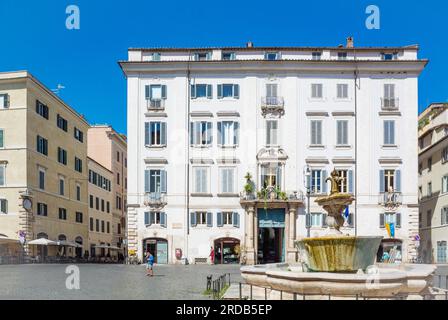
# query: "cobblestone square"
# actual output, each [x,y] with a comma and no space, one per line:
[105,282]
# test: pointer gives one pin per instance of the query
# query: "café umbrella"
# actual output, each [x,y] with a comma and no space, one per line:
[43,242]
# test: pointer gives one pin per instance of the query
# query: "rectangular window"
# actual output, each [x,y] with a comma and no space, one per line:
[316,181]
[342,55]
[41,179]
[42,209]
[155,56]
[272,56]
[201,218]
[61,186]
[202,56]
[118,156]
[200,180]
[108,227]
[316,220]
[78,165]
[62,156]
[444,216]
[119,228]
[441,252]
[316,132]
[97,203]
[2,175]
[155,181]
[78,134]
[429,164]
[97,225]
[444,153]
[317,55]
[102,205]
[3,206]
[227,179]
[342,132]
[343,184]
[62,214]
[228,56]
[155,134]
[317,91]
[91,201]
[156,94]
[91,224]
[42,145]
[78,217]
[389,100]
[61,123]
[389,56]
[42,109]
[201,91]
[118,178]
[228,132]
[102,226]
[108,206]
[342,91]
[228,91]
[389,132]
[271,132]
[429,189]
[227,218]
[2,138]
[78,192]
[4,101]
[271,175]
[201,133]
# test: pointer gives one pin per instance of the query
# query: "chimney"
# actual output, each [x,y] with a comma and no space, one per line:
[350,43]
[249,44]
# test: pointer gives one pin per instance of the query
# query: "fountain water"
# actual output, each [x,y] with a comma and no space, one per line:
[338,264]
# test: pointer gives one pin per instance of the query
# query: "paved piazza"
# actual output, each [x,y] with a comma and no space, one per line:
[97,281]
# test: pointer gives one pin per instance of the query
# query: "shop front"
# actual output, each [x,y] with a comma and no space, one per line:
[158,248]
[227,251]
[390,251]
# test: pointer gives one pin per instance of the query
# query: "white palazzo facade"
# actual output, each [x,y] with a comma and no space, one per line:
[201,119]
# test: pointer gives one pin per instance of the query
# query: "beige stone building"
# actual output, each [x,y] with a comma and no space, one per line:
[109,149]
[100,209]
[43,149]
[433,183]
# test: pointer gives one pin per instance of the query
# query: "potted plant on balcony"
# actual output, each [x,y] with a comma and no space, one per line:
[249,187]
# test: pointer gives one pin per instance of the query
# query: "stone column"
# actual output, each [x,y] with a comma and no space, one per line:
[250,248]
[290,249]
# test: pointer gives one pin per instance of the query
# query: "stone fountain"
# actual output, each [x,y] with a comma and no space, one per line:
[340,265]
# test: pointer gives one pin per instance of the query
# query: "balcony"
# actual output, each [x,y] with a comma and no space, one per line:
[155,104]
[272,105]
[155,200]
[272,195]
[389,104]
[390,199]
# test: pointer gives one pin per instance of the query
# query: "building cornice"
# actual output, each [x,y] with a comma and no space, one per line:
[414,67]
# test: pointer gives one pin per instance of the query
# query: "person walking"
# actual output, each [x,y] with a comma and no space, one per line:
[212,255]
[149,264]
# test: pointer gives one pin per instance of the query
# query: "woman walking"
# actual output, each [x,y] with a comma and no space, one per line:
[149,264]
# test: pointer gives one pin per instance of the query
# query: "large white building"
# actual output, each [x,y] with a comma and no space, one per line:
[200,119]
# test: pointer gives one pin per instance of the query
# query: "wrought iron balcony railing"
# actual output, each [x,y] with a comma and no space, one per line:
[272,105]
[389,104]
[155,104]
[155,199]
[272,194]
[390,198]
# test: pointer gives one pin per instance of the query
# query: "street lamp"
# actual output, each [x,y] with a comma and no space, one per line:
[307,184]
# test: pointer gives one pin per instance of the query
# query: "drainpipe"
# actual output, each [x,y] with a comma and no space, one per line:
[188,155]
[356,143]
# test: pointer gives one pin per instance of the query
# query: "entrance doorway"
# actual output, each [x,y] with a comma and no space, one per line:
[227,251]
[159,249]
[271,236]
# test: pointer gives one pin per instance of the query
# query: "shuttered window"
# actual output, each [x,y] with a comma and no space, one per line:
[317,91]
[155,134]
[272,133]
[228,133]
[200,180]
[227,178]
[201,133]
[342,91]
[389,132]
[316,132]
[155,181]
[342,132]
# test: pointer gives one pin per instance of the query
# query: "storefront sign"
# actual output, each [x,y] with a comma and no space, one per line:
[271,218]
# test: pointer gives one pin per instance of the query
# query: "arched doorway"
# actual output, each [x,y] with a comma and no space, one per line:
[42,251]
[227,250]
[158,248]
[78,250]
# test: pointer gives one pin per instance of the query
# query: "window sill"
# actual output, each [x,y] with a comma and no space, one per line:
[201,226]
[155,147]
[228,146]
[343,147]
[342,99]
[317,99]
[201,146]
[389,146]
[228,99]
[228,195]
[154,226]
[316,146]
[201,195]
[228,226]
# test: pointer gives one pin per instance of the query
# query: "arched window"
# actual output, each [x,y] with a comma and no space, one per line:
[42,235]
[78,240]
[62,237]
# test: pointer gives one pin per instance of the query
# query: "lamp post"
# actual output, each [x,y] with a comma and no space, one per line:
[307,183]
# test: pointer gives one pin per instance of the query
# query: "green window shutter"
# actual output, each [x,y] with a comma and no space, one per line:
[350,181]
[163,181]
[163,133]
[193,91]
[146,218]
[382,220]
[147,134]
[209,219]
[209,133]
[1,139]
[219,124]
[147,180]
[219,91]
[163,219]
[308,220]
[236,133]
[151,218]
[382,186]
[398,220]
[236,219]
[148,92]
[193,219]
[323,182]
[164,92]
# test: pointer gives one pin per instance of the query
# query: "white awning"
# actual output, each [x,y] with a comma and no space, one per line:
[6,240]
[43,242]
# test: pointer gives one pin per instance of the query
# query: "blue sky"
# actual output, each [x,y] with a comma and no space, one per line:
[34,38]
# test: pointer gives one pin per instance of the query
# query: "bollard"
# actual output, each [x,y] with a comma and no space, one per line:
[265,293]
[251,292]
[241,291]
